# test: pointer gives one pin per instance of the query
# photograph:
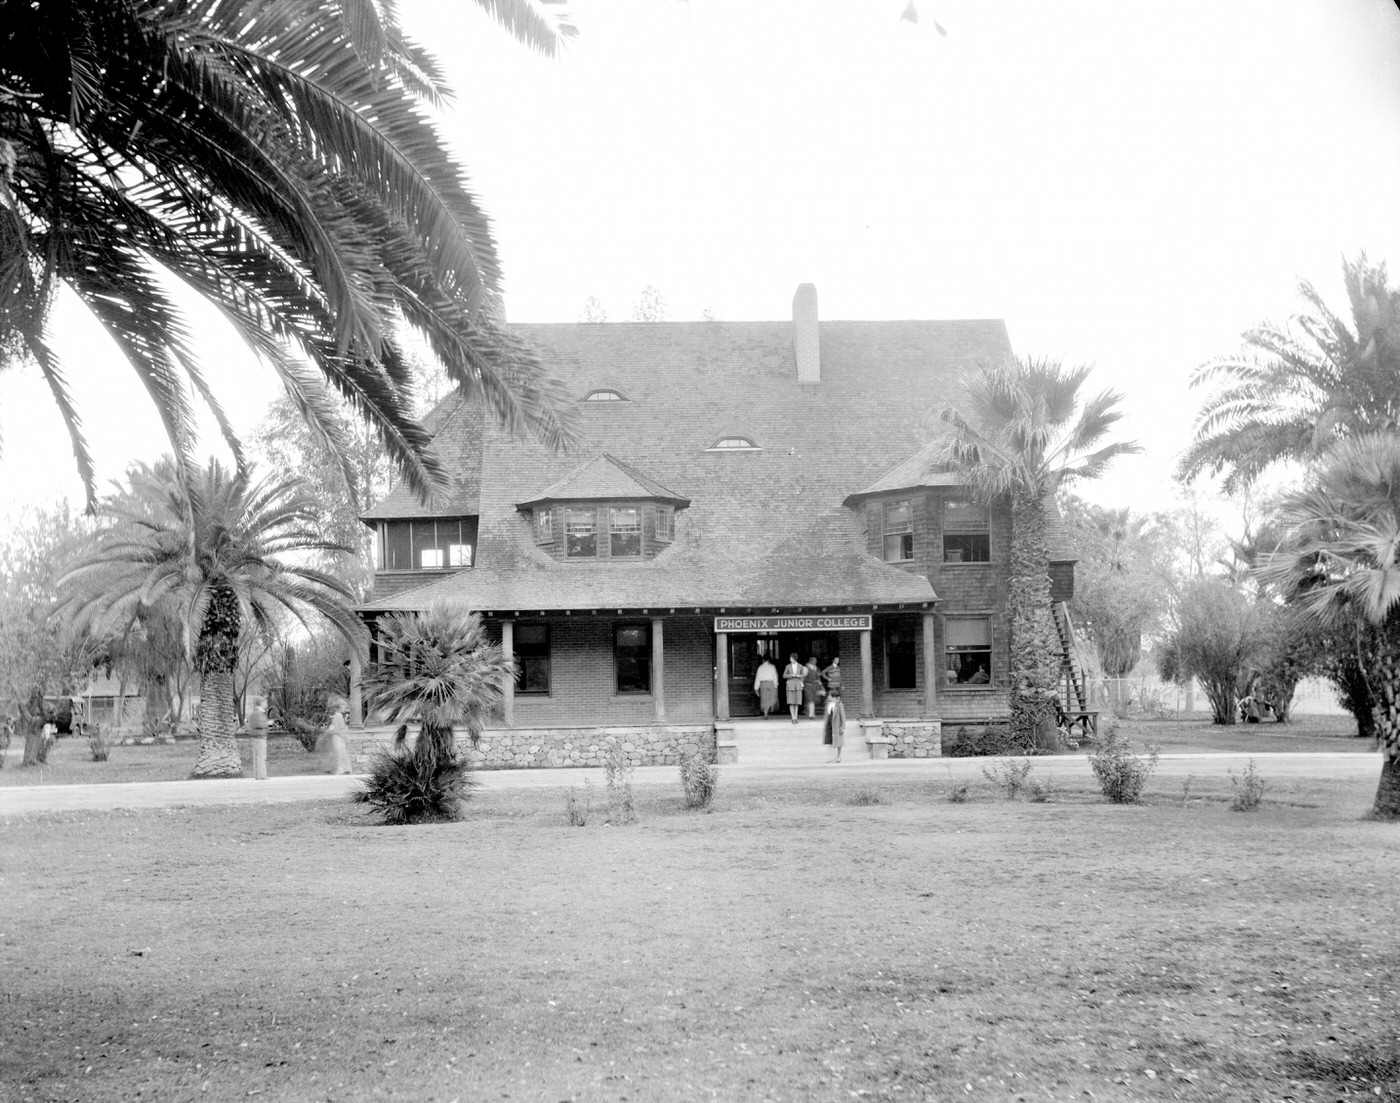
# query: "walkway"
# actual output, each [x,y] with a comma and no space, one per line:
[1360,767]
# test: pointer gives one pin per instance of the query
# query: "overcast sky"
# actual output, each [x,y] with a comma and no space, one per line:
[1127,184]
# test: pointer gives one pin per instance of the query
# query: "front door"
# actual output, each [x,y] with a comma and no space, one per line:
[747,651]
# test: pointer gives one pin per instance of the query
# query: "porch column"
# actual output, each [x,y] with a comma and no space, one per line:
[658,668]
[930,669]
[508,682]
[357,698]
[867,675]
[721,675]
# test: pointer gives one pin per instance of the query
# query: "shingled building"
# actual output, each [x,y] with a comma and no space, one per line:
[739,490]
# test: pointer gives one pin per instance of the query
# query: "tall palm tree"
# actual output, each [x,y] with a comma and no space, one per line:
[279,160]
[1293,391]
[1340,564]
[440,671]
[1021,433]
[210,551]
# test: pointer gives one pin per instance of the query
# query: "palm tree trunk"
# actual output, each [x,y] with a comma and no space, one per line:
[1035,665]
[1383,675]
[216,655]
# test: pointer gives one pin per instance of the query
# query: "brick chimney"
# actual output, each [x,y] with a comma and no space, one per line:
[806,345]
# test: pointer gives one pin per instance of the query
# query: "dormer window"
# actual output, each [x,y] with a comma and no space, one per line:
[898,521]
[665,524]
[581,533]
[624,532]
[733,444]
[604,395]
[544,526]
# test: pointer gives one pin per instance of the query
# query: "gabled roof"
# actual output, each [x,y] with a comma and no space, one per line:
[915,472]
[601,478]
[456,428]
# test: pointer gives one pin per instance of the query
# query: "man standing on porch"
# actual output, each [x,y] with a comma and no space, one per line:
[793,675]
[765,684]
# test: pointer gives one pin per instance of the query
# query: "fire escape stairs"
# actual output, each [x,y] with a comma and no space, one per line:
[1074,686]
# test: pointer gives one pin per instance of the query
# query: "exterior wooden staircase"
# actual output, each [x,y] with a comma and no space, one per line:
[1074,687]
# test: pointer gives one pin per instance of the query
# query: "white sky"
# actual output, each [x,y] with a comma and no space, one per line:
[1126,184]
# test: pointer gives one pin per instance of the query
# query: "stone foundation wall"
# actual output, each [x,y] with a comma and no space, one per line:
[550,748]
[914,738]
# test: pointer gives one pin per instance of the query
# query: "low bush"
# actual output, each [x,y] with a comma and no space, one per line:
[97,743]
[401,788]
[958,793]
[1040,791]
[1009,777]
[991,740]
[307,732]
[577,809]
[864,797]
[1249,790]
[699,779]
[1121,774]
[622,806]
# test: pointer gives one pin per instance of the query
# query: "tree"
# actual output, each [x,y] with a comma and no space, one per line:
[210,553]
[438,670]
[1020,435]
[41,653]
[1119,590]
[593,310]
[1219,632]
[650,306]
[279,161]
[1294,391]
[1340,563]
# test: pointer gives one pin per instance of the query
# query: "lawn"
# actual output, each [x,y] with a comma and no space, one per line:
[791,945]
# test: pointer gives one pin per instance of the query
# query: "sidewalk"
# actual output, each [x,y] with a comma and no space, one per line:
[16,801]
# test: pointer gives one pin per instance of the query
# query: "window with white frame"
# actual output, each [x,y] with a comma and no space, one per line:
[898,528]
[665,524]
[544,526]
[966,533]
[624,532]
[967,648]
[430,557]
[459,555]
[580,533]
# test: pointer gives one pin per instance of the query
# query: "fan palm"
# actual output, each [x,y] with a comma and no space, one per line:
[1340,563]
[1021,433]
[440,671]
[209,551]
[277,159]
[1291,393]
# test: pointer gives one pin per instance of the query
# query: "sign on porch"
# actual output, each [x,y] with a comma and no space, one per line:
[850,623]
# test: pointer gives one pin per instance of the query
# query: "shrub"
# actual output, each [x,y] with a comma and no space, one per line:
[864,797]
[958,793]
[1186,783]
[307,732]
[699,779]
[1040,791]
[97,743]
[1010,777]
[578,810]
[992,740]
[622,807]
[403,788]
[1120,773]
[6,734]
[1249,790]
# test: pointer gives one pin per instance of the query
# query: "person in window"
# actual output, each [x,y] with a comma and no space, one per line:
[793,676]
[980,676]
[811,686]
[765,684]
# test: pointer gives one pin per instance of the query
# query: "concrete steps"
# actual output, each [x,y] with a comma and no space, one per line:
[780,742]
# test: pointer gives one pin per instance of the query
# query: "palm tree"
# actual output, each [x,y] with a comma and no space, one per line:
[210,553]
[1340,563]
[437,670]
[1021,433]
[1291,393]
[277,160]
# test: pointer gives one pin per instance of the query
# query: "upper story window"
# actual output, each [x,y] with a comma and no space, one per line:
[603,395]
[624,531]
[966,533]
[425,543]
[544,526]
[665,524]
[733,444]
[581,533]
[898,527]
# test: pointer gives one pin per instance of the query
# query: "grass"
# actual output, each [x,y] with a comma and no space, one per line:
[1196,734]
[788,947]
[70,762]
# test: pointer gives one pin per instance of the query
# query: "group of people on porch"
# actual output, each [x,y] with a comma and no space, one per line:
[803,685]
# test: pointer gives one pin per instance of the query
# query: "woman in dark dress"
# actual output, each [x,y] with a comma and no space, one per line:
[811,686]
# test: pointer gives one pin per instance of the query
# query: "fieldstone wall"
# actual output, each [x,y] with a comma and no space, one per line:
[550,748]
[914,738]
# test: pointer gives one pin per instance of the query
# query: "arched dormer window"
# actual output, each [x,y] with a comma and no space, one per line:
[604,394]
[733,444]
